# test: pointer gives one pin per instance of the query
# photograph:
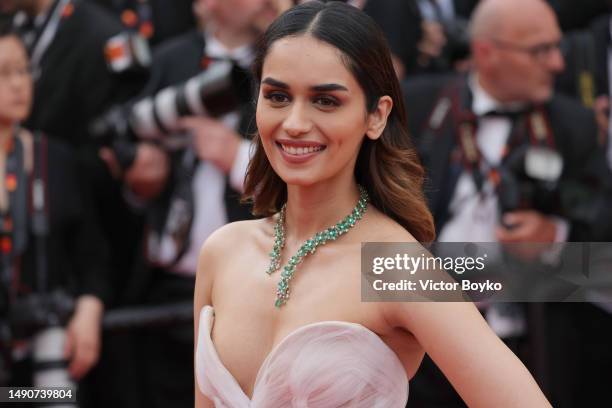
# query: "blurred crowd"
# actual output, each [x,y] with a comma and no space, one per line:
[125,130]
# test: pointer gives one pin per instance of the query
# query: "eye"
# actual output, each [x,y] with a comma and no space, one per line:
[277,98]
[326,101]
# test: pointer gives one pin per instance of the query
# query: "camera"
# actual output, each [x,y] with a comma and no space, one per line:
[220,89]
[529,179]
[41,318]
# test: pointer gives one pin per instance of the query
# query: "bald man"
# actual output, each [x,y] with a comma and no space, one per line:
[474,128]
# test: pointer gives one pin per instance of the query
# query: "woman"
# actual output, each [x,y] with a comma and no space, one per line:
[330,119]
[68,260]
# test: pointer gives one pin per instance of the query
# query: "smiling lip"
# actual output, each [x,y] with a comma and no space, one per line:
[298,151]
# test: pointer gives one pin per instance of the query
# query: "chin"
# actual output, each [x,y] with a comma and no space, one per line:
[544,95]
[294,180]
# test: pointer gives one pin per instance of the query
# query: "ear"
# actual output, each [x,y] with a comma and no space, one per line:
[377,120]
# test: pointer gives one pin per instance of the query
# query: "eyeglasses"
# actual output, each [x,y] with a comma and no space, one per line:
[539,52]
[7,72]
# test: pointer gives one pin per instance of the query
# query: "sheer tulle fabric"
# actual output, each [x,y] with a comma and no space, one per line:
[321,365]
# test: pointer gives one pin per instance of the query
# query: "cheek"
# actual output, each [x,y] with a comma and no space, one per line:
[347,130]
[265,120]
[27,91]
[268,122]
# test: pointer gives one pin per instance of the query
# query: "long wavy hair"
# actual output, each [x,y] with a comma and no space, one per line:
[388,167]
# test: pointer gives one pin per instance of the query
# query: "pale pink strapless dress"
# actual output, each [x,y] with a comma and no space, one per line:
[321,365]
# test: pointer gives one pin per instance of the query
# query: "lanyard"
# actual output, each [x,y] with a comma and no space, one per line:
[13,221]
[45,38]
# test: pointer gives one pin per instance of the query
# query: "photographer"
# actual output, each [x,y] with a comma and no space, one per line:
[444,43]
[475,133]
[190,192]
[46,239]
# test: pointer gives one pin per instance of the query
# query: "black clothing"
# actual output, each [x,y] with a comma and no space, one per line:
[573,15]
[464,8]
[575,137]
[580,78]
[401,23]
[75,85]
[168,18]
[585,194]
[600,31]
[71,259]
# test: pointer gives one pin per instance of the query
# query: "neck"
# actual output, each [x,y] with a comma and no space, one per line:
[489,87]
[6,131]
[315,208]
[232,39]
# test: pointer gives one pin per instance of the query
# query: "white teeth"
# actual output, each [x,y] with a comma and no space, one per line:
[298,151]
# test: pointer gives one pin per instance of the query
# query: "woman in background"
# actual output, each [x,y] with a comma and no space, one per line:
[68,261]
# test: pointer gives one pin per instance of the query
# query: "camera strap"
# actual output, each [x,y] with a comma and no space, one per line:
[14,219]
[39,208]
[528,126]
[45,35]
[175,222]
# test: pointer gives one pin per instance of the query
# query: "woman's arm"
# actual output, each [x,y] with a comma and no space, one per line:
[202,296]
[477,363]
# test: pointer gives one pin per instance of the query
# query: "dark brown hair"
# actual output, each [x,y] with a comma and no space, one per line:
[387,167]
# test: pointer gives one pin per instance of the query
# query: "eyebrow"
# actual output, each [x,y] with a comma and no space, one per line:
[317,88]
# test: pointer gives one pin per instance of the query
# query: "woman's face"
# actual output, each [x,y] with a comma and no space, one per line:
[311,113]
[15,81]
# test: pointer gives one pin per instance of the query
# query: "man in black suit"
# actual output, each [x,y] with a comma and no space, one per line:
[199,191]
[500,103]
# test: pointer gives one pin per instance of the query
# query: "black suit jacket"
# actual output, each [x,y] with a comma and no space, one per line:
[464,8]
[574,15]
[72,247]
[75,86]
[600,30]
[584,183]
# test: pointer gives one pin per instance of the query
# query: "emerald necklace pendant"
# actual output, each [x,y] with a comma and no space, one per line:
[310,246]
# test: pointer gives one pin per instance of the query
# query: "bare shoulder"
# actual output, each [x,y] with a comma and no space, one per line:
[379,227]
[231,236]
[220,249]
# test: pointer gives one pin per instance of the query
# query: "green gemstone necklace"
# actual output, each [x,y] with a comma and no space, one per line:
[310,246]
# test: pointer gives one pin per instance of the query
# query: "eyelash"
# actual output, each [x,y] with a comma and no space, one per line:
[328,101]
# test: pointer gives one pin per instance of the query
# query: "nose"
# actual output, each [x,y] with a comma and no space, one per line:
[297,122]
[556,63]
